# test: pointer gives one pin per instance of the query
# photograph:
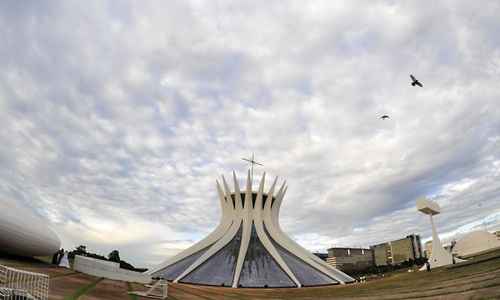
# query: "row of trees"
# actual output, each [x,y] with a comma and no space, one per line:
[113,256]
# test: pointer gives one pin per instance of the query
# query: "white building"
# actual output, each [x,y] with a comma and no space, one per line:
[476,242]
[249,248]
[25,234]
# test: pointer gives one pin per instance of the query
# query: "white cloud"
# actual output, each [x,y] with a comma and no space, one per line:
[121,116]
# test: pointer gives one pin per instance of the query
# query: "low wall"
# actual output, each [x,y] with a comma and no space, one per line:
[107,269]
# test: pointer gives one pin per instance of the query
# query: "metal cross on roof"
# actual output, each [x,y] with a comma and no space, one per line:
[252,162]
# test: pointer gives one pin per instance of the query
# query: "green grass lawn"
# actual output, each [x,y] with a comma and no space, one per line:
[480,279]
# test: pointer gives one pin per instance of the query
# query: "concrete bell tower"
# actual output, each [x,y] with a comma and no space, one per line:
[439,256]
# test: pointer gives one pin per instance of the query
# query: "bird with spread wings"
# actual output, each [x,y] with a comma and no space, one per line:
[415,82]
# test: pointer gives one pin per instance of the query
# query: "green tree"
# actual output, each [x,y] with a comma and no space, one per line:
[114,256]
[82,250]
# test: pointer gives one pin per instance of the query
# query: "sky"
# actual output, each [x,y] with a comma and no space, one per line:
[117,117]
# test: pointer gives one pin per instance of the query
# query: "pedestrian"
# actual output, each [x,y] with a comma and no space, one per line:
[54,258]
[60,255]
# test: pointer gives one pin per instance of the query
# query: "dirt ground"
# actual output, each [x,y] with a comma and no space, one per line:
[479,280]
[107,289]
[484,285]
[63,286]
[474,281]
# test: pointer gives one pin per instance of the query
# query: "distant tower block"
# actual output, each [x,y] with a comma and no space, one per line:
[439,256]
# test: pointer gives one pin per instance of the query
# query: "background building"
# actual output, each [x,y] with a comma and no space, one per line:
[428,248]
[350,259]
[406,249]
[381,254]
[397,251]
[417,246]
[323,256]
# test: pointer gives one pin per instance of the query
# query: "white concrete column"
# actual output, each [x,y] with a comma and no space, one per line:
[247,227]
[439,256]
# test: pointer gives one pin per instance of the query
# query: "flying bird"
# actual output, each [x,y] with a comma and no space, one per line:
[415,82]
[385,117]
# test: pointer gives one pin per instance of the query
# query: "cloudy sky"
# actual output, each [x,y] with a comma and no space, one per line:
[116,118]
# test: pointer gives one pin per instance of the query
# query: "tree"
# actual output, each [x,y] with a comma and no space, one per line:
[114,256]
[82,249]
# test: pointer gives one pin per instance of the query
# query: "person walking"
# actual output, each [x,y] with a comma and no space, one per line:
[60,255]
[54,258]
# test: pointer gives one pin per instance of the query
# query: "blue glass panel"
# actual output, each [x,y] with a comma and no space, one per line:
[305,273]
[173,271]
[218,269]
[260,269]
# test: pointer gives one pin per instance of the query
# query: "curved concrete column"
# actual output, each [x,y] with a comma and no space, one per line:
[286,242]
[259,226]
[220,231]
[247,226]
[272,225]
[224,240]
